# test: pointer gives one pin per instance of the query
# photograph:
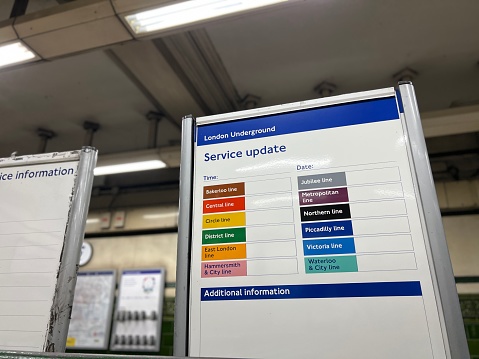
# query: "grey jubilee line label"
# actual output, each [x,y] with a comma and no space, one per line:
[322,180]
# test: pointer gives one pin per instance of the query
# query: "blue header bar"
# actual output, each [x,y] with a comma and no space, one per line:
[400,104]
[146,271]
[337,290]
[96,273]
[348,114]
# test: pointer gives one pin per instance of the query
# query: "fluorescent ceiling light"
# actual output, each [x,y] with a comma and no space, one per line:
[129,167]
[92,220]
[15,53]
[188,12]
[129,162]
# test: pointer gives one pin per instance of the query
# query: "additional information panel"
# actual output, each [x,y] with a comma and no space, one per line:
[307,238]
[91,313]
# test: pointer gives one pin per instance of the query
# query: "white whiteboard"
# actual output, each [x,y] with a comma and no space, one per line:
[36,194]
[307,236]
[92,309]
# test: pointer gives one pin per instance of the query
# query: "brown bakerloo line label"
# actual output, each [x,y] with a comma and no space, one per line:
[224,190]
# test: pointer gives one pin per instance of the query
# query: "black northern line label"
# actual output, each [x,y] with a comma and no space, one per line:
[320,213]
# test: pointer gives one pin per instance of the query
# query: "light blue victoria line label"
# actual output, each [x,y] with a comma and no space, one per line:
[329,246]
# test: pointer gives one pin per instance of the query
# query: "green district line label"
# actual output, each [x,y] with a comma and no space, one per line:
[331,264]
[227,235]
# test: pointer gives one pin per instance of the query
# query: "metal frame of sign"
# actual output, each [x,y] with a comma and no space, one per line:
[156,348]
[57,330]
[440,262]
[111,296]
[436,248]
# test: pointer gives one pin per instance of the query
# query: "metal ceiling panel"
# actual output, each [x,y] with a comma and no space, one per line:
[7,33]
[78,38]
[149,68]
[59,17]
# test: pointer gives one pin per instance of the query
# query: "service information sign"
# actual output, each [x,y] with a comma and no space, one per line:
[307,238]
[34,214]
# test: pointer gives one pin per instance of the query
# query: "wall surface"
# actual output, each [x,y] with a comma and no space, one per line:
[462,233]
[135,252]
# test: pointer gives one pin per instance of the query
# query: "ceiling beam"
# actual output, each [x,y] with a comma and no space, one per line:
[452,121]
[148,69]
[196,62]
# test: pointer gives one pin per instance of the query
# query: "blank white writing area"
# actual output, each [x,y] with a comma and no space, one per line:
[35,203]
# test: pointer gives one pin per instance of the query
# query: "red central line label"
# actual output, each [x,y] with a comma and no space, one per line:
[224,205]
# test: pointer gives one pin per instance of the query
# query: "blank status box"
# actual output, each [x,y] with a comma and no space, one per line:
[32,226]
[272,216]
[268,186]
[273,266]
[391,243]
[386,262]
[271,249]
[29,266]
[30,293]
[32,308]
[375,192]
[26,279]
[20,323]
[377,175]
[388,225]
[264,233]
[378,209]
[21,340]
[269,201]
[31,252]
[31,239]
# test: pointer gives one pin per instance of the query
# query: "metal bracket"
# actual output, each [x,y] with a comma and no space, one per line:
[325,89]
[154,118]
[90,128]
[45,136]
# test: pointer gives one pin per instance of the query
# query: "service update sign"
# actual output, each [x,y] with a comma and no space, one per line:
[307,239]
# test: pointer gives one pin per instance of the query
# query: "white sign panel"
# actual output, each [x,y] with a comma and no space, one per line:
[34,208]
[307,237]
[139,311]
[92,309]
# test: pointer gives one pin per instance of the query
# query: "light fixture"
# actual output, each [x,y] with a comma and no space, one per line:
[92,220]
[187,12]
[129,162]
[15,53]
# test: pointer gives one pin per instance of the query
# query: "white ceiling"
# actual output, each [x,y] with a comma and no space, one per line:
[279,55]
[282,55]
[60,95]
